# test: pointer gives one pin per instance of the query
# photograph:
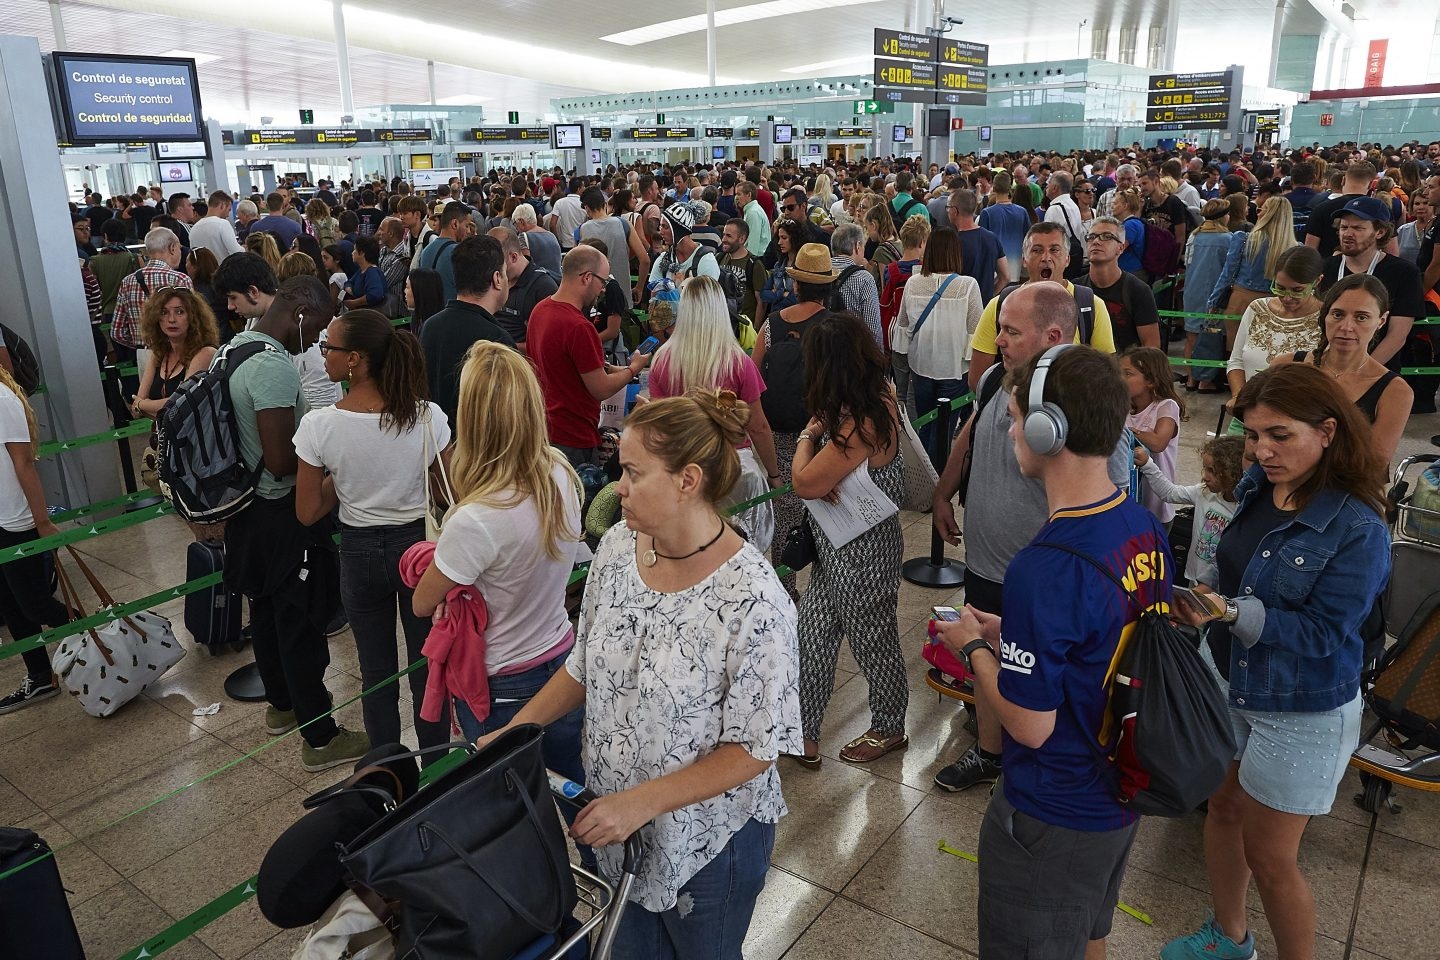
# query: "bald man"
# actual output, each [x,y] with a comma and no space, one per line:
[565,348]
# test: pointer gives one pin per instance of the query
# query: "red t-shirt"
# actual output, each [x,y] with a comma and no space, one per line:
[766,199]
[564,346]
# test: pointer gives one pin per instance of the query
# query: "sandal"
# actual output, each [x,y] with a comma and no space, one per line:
[873,747]
[805,759]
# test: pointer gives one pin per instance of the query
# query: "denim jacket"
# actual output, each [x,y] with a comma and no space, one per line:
[1240,271]
[1303,598]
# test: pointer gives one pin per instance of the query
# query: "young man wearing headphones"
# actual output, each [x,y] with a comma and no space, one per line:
[1055,839]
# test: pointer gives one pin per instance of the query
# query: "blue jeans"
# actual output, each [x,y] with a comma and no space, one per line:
[370,589]
[713,913]
[928,393]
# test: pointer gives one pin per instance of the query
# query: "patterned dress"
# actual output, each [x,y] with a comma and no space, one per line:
[668,678]
[853,592]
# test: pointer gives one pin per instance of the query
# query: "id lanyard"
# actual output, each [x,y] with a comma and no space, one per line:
[1370,271]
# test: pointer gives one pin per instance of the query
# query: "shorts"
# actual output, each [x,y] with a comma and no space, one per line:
[1293,762]
[1196,324]
[1045,891]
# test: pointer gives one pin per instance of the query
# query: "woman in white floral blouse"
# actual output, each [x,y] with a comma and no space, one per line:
[686,662]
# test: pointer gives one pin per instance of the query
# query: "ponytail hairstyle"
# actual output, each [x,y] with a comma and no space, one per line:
[8,380]
[395,362]
[702,427]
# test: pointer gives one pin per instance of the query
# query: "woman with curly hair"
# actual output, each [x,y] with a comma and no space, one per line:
[178,328]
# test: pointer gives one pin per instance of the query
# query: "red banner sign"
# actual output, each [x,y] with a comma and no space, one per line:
[1327,119]
[1375,63]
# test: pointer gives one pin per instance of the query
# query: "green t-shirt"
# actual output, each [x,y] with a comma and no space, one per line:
[267,381]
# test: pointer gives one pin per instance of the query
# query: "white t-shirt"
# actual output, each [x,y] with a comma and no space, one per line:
[14,508]
[569,214]
[319,389]
[943,347]
[379,475]
[496,549]
[1147,420]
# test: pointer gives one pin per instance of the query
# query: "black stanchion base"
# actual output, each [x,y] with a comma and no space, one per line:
[244,685]
[923,572]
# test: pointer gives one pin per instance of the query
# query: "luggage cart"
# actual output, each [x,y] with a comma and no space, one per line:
[1393,752]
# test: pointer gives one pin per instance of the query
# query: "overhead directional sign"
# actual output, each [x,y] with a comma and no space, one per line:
[1190,101]
[962,53]
[968,86]
[907,46]
[902,73]
[720,133]
[511,134]
[601,133]
[661,133]
[403,135]
[863,107]
[857,133]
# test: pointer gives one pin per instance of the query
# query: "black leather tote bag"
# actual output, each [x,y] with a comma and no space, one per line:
[477,860]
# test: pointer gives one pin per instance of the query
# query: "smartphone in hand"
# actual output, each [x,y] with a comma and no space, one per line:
[648,345]
[1210,604]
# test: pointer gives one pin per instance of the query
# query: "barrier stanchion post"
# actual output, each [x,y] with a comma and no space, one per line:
[935,570]
[120,414]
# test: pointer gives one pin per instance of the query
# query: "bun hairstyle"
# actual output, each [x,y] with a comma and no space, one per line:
[702,427]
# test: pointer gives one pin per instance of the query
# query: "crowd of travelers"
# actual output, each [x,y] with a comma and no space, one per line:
[773,329]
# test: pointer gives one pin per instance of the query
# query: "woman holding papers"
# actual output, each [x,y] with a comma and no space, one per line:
[855,582]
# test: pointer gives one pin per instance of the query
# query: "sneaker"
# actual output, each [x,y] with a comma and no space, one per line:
[968,771]
[346,746]
[279,721]
[1209,943]
[28,692]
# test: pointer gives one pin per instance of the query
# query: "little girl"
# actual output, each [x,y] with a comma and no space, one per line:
[1155,413]
[1222,464]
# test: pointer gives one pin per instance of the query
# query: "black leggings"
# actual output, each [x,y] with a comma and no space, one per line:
[27,601]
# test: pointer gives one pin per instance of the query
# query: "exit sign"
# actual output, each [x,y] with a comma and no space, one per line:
[513,116]
[864,107]
[659,119]
[307,116]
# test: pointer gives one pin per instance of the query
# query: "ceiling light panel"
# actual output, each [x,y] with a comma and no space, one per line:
[724,18]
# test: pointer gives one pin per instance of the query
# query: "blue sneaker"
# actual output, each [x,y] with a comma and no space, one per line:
[1209,943]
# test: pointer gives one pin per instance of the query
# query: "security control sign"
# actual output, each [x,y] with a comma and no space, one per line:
[512,135]
[271,136]
[601,133]
[1190,101]
[856,133]
[105,98]
[662,133]
[343,136]
[719,133]
[814,133]
[906,46]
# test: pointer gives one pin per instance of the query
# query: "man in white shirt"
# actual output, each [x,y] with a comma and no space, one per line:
[567,215]
[1063,209]
[213,231]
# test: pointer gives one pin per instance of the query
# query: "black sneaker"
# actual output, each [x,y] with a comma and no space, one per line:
[968,771]
[29,692]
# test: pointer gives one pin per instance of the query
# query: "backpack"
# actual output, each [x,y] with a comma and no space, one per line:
[1076,266]
[197,443]
[989,385]
[900,216]
[837,302]
[22,358]
[1176,742]
[892,292]
[783,370]
[1084,301]
[1161,255]
[730,286]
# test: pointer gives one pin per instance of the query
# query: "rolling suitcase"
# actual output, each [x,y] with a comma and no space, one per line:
[212,615]
[35,919]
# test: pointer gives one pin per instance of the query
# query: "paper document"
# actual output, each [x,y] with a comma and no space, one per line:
[861,506]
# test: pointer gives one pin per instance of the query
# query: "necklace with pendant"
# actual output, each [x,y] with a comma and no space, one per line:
[652,555]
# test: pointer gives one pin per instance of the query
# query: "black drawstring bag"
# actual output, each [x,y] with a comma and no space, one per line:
[1176,741]
[476,861]
[799,549]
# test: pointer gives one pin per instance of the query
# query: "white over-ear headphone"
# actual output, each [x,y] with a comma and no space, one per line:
[1045,423]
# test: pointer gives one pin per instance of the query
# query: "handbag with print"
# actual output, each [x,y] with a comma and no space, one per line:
[108,666]
[432,476]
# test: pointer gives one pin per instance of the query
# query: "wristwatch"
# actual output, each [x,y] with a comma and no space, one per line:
[1232,611]
[969,650]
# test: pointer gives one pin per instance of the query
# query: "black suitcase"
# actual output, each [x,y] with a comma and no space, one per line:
[212,615]
[35,919]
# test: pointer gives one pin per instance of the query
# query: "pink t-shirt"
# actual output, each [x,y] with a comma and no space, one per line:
[743,378]
[1147,420]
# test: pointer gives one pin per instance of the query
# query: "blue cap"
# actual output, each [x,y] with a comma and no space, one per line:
[1366,208]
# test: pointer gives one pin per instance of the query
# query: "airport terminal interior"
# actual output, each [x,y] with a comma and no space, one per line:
[1272,174]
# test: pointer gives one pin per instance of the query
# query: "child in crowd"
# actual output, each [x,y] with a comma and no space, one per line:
[1155,414]
[1221,466]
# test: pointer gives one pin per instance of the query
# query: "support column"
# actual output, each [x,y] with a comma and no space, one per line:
[709,46]
[1129,36]
[430,71]
[57,23]
[41,277]
[1100,41]
[342,60]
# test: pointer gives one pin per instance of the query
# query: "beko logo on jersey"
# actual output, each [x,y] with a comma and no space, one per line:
[1013,658]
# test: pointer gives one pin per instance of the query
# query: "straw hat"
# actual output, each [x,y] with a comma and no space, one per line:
[812,265]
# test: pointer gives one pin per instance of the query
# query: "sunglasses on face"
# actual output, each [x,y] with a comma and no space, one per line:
[1294,293]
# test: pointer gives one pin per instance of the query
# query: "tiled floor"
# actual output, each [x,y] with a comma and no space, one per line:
[858,870]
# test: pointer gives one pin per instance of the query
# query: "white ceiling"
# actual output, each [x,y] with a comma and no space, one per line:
[278,55]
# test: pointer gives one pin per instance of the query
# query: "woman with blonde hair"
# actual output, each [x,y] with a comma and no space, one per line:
[178,329]
[702,354]
[295,264]
[513,536]
[882,246]
[27,603]
[686,666]
[263,244]
[1251,263]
